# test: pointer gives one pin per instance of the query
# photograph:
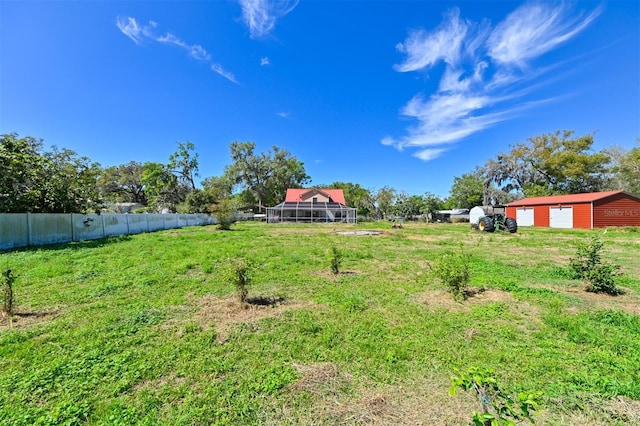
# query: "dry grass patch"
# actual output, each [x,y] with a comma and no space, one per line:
[441,299]
[224,313]
[593,412]
[428,238]
[426,402]
[629,301]
[158,383]
[323,378]
[330,276]
[318,228]
[26,319]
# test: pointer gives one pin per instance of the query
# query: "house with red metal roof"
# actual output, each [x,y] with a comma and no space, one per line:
[586,211]
[312,205]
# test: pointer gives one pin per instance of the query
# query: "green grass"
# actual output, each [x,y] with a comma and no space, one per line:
[144,330]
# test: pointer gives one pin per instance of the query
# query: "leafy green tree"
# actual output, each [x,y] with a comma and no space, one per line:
[35,180]
[225,213]
[383,201]
[626,169]
[21,179]
[431,204]
[197,201]
[550,164]
[266,176]
[123,183]
[184,164]
[406,205]
[214,190]
[162,187]
[355,196]
[71,182]
[466,192]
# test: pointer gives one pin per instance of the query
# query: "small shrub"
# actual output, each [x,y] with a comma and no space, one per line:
[335,259]
[588,266]
[240,276]
[225,213]
[7,292]
[453,270]
[498,407]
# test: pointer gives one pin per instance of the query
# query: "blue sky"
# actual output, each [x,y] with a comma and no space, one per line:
[405,94]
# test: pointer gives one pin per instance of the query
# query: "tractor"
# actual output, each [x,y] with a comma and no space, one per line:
[488,219]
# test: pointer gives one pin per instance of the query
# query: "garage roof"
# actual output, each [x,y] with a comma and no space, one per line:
[564,199]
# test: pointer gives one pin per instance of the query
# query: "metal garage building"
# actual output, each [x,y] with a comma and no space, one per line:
[587,211]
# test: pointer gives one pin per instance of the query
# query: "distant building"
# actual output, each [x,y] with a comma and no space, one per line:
[312,205]
[126,207]
[587,211]
[453,215]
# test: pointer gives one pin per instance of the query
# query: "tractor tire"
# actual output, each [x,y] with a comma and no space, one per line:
[485,224]
[511,224]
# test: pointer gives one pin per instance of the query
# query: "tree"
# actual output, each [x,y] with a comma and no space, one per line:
[35,180]
[355,196]
[466,192]
[550,164]
[71,183]
[21,163]
[266,176]
[184,164]
[406,205]
[626,169]
[224,213]
[383,201]
[162,187]
[219,187]
[432,203]
[123,183]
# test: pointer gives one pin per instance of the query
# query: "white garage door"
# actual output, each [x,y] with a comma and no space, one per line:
[524,216]
[561,217]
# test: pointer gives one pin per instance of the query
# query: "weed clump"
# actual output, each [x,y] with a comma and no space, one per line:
[453,270]
[588,266]
[498,406]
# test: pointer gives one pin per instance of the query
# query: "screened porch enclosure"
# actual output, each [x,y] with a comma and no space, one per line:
[309,212]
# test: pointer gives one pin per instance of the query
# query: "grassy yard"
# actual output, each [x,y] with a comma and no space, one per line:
[146,330]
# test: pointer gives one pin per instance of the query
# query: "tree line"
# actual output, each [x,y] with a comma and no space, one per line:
[33,179]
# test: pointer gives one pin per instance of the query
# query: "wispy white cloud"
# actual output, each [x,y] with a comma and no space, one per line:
[532,30]
[131,29]
[485,71]
[194,50]
[226,74]
[260,16]
[264,61]
[139,33]
[429,154]
[425,49]
[283,114]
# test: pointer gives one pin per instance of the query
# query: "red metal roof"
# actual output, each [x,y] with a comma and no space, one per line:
[296,194]
[564,199]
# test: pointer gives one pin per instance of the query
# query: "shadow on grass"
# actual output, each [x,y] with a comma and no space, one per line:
[25,319]
[74,245]
[266,301]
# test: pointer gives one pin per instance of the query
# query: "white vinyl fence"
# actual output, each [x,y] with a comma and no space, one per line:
[34,229]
